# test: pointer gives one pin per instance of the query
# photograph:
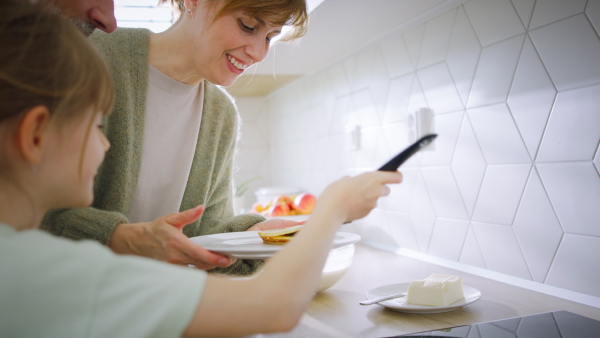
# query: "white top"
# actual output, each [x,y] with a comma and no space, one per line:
[54,287]
[171,127]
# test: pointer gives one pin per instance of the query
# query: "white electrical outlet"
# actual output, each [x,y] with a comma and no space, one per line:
[420,123]
[352,137]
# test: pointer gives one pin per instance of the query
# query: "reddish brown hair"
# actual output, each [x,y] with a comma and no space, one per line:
[280,12]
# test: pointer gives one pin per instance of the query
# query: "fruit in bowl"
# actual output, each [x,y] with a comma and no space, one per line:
[283,200]
[302,204]
[305,203]
[279,210]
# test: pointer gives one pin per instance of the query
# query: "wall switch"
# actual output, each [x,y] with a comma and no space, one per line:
[352,137]
[420,123]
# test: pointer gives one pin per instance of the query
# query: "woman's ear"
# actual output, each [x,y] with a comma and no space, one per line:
[31,136]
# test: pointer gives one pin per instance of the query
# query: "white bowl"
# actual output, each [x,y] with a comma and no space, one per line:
[336,265]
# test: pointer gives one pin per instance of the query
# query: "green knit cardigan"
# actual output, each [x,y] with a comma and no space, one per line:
[210,181]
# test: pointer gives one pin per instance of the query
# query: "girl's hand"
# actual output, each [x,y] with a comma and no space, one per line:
[353,198]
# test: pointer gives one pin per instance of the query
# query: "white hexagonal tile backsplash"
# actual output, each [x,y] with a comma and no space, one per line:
[570,50]
[597,160]
[500,193]
[439,88]
[531,97]
[494,20]
[573,130]
[498,135]
[574,190]
[525,9]
[463,54]
[501,250]
[593,13]
[448,236]
[547,12]
[569,263]
[537,228]
[468,165]
[513,184]
[495,72]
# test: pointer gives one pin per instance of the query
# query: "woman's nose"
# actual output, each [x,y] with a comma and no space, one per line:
[258,49]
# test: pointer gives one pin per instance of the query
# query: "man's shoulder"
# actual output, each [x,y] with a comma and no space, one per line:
[122,40]
[125,51]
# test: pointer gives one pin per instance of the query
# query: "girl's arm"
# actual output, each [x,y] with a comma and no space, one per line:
[276,299]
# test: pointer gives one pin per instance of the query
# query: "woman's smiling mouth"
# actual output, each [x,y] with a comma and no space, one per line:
[236,63]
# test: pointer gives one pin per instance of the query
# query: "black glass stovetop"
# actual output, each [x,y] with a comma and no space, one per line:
[558,324]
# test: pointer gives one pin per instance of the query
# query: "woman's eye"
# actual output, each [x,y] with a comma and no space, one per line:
[101,126]
[246,27]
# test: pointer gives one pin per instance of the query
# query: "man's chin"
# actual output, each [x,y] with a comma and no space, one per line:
[86,27]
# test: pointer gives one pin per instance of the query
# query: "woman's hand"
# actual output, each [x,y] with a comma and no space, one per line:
[163,240]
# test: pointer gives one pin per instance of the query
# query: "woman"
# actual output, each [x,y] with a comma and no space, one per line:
[173,132]
[54,90]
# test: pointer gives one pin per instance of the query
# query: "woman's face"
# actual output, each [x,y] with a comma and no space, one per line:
[225,47]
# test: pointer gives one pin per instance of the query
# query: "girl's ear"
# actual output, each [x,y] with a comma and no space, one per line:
[32,132]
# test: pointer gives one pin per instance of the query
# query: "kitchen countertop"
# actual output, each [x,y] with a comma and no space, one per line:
[335,312]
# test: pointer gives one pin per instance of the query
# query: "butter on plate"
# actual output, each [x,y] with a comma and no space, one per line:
[435,290]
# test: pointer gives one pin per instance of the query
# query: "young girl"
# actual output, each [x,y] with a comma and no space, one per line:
[54,89]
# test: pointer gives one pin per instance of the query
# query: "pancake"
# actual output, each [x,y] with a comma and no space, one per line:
[279,236]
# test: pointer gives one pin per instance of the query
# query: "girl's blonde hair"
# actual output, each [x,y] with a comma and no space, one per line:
[45,61]
[280,12]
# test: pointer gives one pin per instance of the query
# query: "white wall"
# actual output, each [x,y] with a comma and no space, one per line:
[252,154]
[513,185]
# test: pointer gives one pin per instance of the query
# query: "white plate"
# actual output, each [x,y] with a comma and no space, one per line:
[248,245]
[399,304]
[296,218]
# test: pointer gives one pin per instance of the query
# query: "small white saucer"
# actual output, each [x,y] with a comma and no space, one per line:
[400,305]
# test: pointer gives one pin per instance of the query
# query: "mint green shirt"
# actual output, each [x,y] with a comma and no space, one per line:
[55,287]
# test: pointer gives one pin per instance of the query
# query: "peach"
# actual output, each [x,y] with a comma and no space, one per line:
[305,203]
[283,200]
[281,209]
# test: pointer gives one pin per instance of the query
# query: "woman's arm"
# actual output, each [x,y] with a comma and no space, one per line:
[84,223]
[276,299]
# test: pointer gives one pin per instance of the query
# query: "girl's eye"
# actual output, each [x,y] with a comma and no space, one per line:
[101,126]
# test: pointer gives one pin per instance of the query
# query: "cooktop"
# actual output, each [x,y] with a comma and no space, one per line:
[557,324]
